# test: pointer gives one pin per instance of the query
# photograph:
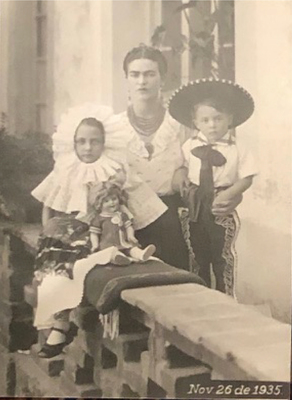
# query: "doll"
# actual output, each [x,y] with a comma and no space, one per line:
[112,226]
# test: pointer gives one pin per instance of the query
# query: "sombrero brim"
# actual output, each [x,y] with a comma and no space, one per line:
[238,100]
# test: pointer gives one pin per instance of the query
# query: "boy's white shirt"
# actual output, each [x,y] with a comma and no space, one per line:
[240,162]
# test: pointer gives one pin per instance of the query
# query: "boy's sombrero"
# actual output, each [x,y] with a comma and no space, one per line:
[238,101]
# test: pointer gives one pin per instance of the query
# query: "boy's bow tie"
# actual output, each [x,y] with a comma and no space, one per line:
[209,156]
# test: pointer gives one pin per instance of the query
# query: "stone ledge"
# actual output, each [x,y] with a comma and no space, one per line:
[220,331]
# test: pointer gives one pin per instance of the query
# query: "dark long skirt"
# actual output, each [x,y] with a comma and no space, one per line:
[166,234]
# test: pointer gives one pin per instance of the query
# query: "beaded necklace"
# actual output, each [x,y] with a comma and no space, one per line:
[146,126]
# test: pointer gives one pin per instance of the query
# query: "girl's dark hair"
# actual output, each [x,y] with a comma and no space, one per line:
[219,105]
[109,189]
[149,53]
[92,122]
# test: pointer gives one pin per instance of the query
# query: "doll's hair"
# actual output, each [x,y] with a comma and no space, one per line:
[146,52]
[91,122]
[109,189]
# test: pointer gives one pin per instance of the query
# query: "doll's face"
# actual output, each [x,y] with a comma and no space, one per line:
[89,143]
[212,123]
[111,204]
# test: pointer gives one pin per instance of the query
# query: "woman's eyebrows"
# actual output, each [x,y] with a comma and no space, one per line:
[141,72]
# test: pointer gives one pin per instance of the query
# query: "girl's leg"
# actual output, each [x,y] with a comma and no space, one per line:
[57,338]
[60,328]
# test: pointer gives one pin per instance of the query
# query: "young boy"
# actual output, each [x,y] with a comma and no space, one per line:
[219,169]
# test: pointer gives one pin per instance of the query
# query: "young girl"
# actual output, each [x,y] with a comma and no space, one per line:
[219,168]
[87,151]
[112,226]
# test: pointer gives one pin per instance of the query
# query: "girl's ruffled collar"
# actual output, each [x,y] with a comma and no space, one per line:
[98,171]
[66,189]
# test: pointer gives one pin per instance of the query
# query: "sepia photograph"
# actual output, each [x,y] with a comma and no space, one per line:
[145,199]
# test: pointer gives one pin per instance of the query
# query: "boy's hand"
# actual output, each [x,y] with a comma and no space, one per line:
[180,180]
[224,204]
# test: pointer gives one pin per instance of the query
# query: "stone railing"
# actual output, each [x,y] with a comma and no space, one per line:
[174,341]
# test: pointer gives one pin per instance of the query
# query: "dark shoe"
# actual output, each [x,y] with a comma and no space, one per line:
[71,333]
[53,350]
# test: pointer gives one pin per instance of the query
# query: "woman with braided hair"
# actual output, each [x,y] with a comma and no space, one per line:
[154,151]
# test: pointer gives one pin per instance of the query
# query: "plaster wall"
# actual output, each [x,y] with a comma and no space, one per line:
[263,66]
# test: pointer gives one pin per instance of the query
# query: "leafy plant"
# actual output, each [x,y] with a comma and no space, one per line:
[24,161]
[201,39]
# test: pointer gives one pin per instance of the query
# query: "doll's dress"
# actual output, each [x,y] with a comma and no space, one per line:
[111,228]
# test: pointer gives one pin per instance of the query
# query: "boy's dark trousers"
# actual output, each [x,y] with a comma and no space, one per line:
[207,239]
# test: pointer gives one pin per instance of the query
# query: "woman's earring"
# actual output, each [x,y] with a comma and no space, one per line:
[160,95]
[129,98]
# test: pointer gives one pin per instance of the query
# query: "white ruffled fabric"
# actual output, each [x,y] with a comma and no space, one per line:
[57,293]
[66,188]
[170,131]
[166,158]
[63,138]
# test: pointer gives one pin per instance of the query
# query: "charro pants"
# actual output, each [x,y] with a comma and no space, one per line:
[208,239]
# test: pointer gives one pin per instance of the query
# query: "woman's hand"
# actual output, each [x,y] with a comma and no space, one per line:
[225,204]
[180,180]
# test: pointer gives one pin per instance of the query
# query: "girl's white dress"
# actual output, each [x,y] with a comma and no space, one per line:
[66,190]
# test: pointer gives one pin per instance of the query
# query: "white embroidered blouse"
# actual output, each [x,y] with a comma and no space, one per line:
[158,169]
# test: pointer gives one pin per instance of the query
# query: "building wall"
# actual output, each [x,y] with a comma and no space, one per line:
[80,58]
[128,32]
[17,54]
[86,44]
[263,66]
[4,41]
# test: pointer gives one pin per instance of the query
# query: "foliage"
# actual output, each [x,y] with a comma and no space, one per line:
[201,39]
[24,161]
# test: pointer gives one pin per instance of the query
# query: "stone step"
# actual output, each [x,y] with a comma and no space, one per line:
[75,390]
[77,374]
[32,381]
[51,366]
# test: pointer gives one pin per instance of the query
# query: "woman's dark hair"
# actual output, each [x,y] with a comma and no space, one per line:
[149,53]
[92,122]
